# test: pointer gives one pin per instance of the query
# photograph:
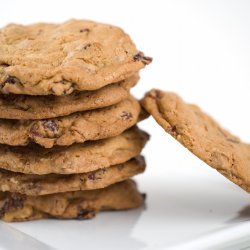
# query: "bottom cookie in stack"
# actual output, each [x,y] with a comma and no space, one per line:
[70,205]
[71,182]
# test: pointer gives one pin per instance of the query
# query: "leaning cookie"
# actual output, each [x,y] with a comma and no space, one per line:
[56,183]
[44,59]
[70,205]
[76,128]
[43,107]
[77,158]
[201,135]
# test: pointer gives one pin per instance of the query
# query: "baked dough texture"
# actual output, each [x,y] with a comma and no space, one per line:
[202,135]
[70,205]
[77,158]
[27,107]
[45,59]
[55,183]
[76,128]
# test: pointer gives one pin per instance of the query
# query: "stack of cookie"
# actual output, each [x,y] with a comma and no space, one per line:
[68,138]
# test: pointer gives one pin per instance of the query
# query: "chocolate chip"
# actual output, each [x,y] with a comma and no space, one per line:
[138,57]
[144,196]
[4,65]
[172,130]
[11,80]
[84,213]
[87,46]
[144,59]
[84,30]
[14,201]
[52,126]
[126,115]
[91,176]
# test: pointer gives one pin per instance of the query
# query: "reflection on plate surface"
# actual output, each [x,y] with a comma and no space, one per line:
[175,213]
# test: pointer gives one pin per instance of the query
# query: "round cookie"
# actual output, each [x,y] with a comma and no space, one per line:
[44,59]
[75,128]
[202,135]
[70,205]
[77,158]
[43,107]
[56,183]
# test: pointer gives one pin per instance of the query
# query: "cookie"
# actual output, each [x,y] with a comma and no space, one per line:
[75,128]
[70,205]
[56,183]
[201,135]
[77,158]
[44,59]
[43,107]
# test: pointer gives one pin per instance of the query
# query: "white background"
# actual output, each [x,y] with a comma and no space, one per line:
[201,50]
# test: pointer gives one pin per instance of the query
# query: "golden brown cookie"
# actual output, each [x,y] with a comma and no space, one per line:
[43,59]
[77,158]
[71,205]
[29,184]
[43,107]
[76,128]
[201,135]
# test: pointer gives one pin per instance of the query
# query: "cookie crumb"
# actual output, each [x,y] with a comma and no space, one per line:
[84,30]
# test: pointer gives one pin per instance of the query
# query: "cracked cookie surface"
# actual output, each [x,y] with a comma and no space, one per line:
[56,183]
[77,158]
[70,205]
[80,55]
[203,136]
[75,128]
[43,107]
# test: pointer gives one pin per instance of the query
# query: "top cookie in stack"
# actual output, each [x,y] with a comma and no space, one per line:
[56,59]
[65,84]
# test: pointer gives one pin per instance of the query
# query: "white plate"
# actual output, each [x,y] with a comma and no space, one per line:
[189,206]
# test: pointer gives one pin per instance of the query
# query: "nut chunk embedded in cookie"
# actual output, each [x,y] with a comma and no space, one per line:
[201,135]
